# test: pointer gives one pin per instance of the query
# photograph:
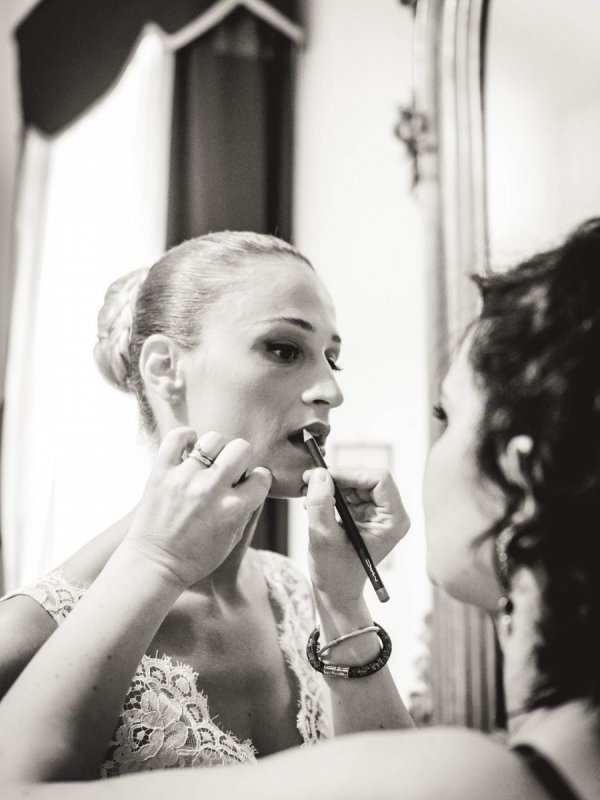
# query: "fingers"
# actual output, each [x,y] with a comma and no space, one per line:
[255,488]
[319,501]
[210,444]
[173,445]
[353,478]
[363,485]
[233,461]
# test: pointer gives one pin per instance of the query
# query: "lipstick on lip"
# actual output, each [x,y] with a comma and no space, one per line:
[348,523]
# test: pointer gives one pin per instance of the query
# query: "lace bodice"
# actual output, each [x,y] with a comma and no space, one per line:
[166,721]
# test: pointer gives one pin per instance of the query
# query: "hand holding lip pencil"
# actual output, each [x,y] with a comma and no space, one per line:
[348,523]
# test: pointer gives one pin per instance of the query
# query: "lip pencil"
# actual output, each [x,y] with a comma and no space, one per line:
[348,522]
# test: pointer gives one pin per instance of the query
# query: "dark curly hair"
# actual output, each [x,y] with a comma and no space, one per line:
[535,352]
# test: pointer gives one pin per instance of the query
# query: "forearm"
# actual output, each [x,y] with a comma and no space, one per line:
[67,701]
[358,704]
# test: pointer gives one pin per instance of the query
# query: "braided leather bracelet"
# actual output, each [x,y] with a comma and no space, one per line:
[339,671]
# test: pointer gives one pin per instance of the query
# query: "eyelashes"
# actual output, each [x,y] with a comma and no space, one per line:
[287,353]
[439,413]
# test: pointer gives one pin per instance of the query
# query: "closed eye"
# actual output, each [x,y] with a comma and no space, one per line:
[439,413]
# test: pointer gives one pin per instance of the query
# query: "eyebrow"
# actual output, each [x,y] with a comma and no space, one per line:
[302,323]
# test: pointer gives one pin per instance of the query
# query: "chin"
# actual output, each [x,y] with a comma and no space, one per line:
[286,486]
[470,587]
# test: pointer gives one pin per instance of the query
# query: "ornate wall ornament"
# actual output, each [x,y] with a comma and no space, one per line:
[412,4]
[415,132]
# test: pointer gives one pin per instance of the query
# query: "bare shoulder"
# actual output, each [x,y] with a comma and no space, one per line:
[448,763]
[455,763]
[84,566]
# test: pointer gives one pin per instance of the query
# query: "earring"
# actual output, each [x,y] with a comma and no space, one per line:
[504,614]
[502,561]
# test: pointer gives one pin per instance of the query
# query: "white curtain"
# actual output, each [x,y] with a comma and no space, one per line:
[92,205]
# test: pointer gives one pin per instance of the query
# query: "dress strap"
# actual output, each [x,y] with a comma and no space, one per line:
[546,773]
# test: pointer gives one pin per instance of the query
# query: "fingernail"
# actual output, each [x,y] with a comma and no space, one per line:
[320,475]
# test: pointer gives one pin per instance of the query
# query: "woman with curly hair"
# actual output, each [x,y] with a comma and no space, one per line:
[512,507]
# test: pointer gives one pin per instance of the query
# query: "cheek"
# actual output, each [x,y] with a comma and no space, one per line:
[235,402]
[437,481]
[451,521]
[457,513]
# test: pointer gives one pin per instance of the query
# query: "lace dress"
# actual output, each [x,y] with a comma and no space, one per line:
[165,721]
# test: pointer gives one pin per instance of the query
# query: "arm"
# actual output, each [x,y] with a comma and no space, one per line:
[406,765]
[25,624]
[64,705]
[24,627]
[359,704]
[86,668]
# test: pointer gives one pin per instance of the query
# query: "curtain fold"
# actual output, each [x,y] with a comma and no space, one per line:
[72,51]
[232,132]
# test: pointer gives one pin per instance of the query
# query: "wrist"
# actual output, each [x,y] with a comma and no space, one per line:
[147,569]
[340,621]
[343,607]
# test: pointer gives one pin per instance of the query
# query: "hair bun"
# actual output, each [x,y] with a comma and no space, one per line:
[115,321]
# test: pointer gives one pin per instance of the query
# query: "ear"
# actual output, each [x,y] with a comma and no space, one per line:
[511,460]
[160,368]
[511,463]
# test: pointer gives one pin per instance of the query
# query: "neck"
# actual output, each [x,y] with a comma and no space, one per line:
[517,634]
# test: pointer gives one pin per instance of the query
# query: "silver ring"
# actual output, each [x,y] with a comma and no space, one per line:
[198,454]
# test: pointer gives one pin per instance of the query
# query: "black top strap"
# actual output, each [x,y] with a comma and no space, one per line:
[546,773]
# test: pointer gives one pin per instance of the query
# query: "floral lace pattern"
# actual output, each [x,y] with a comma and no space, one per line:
[165,721]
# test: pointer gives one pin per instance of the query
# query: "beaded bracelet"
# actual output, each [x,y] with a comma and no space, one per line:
[339,671]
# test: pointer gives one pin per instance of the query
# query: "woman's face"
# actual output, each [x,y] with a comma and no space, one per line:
[265,367]
[459,506]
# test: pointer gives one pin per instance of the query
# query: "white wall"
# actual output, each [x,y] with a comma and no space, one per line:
[356,220]
[543,122]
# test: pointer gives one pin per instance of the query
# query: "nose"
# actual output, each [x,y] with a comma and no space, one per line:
[324,390]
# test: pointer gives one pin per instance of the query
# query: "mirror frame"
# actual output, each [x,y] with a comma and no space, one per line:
[449,49]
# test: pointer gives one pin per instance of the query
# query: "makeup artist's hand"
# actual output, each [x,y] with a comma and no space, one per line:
[192,515]
[375,504]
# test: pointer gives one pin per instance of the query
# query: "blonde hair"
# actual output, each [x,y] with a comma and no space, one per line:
[171,298]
